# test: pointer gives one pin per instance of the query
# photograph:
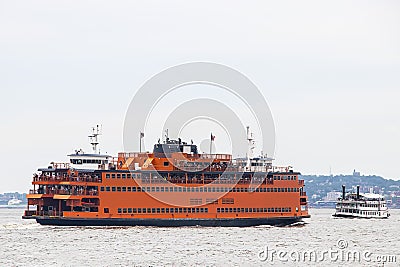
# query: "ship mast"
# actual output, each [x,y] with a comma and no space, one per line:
[94,138]
[251,146]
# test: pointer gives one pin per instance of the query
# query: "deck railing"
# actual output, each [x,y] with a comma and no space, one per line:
[65,192]
[85,179]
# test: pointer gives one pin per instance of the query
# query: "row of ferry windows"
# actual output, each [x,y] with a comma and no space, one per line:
[88,161]
[364,205]
[193,189]
[284,177]
[372,205]
[162,210]
[360,212]
[244,210]
[202,210]
[129,176]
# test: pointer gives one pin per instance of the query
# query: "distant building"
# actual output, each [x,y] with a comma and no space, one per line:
[332,196]
[356,173]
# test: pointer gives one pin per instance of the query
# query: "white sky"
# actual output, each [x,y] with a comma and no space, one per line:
[329,71]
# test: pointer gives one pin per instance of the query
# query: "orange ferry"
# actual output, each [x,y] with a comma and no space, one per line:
[172,186]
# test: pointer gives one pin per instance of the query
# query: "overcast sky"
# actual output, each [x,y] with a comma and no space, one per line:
[329,71]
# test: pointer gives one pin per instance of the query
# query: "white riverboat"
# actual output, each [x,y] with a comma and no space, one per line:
[14,202]
[367,205]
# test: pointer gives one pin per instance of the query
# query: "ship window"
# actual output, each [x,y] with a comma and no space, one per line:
[148,210]
[118,176]
[201,189]
[113,175]
[153,210]
[128,176]
[129,210]
[123,176]
[148,189]
[162,189]
[153,189]
[102,188]
[124,189]
[139,210]
[113,189]
[184,189]
[218,210]
[124,210]
[119,189]
[134,210]
[139,189]
[129,189]
[166,210]
[107,175]
[119,210]
[166,163]
[108,189]
[106,210]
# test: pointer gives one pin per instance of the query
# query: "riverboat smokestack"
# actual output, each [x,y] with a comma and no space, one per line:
[358,192]
[343,191]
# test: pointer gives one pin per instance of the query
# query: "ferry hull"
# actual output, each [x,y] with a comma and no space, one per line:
[239,222]
[360,217]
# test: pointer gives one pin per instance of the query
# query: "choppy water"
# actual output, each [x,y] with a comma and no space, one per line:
[25,243]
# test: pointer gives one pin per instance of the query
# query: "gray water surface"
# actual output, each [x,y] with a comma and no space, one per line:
[26,243]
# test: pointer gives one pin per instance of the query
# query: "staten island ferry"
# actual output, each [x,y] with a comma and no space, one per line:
[356,205]
[174,185]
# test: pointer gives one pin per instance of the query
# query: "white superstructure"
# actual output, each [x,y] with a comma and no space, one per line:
[94,161]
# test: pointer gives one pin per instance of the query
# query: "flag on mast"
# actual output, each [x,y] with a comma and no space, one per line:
[212,140]
[140,141]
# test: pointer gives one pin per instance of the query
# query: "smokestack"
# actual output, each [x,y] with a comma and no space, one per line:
[358,192]
[343,191]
